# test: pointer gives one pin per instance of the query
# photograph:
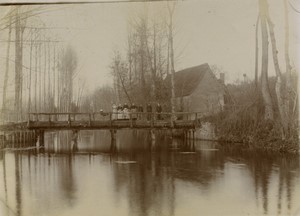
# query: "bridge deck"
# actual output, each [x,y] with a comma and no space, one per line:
[101,121]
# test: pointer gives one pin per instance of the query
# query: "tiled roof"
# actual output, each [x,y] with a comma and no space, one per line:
[187,80]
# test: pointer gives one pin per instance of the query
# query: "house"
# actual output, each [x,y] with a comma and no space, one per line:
[198,90]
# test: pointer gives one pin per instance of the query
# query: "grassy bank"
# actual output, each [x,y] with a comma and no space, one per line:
[247,130]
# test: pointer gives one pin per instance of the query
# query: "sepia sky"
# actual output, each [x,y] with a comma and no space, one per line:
[216,32]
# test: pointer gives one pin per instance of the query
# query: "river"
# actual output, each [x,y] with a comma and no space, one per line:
[145,178]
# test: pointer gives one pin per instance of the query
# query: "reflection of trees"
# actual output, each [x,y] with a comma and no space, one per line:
[261,166]
[18,184]
[286,166]
[150,188]
[151,182]
[46,177]
[201,167]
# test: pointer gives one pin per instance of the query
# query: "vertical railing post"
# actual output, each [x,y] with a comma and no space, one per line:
[69,119]
[172,120]
[110,119]
[130,117]
[152,119]
[90,119]
[28,121]
[41,138]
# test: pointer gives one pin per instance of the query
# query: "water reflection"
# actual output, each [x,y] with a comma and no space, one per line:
[142,178]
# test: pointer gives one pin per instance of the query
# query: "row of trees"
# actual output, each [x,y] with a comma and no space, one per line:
[44,68]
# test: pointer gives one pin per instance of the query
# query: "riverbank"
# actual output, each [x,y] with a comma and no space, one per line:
[261,135]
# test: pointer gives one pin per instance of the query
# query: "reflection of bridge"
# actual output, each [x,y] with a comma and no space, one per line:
[41,122]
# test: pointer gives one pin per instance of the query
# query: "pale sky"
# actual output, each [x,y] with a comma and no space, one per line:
[216,32]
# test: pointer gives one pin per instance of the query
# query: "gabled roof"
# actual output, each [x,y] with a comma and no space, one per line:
[187,80]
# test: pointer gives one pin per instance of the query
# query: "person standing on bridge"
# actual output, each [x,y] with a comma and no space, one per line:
[149,111]
[158,110]
[133,110]
[126,111]
[120,111]
[140,110]
[114,112]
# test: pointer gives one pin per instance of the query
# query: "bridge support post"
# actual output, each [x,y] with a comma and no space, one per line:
[74,140]
[193,142]
[113,146]
[41,136]
[153,138]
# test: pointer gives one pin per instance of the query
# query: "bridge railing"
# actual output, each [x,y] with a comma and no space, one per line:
[9,117]
[115,116]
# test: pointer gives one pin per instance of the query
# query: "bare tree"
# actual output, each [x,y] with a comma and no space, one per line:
[283,119]
[269,112]
[256,52]
[6,66]
[119,70]
[68,66]
[289,95]
[171,9]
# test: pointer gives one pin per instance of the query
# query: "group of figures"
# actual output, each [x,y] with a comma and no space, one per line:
[135,112]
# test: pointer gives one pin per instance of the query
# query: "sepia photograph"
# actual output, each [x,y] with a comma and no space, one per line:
[149,107]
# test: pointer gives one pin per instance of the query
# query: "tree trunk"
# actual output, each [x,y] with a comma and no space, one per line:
[30,68]
[269,112]
[44,77]
[17,64]
[49,79]
[22,28]
[35,77]
[281,106]
[54,79]
[289,99]
[256,53]
[171,11]
[6,68]
[40,77]
[154,71]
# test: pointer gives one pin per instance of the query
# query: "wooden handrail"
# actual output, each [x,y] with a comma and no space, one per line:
[86,113]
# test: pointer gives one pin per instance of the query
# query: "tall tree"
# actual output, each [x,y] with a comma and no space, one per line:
[171,9]
[17,61]
[68,66]
[289,100]
[281,106]
[268,106]
[30,71]
[6,66]
[256,52]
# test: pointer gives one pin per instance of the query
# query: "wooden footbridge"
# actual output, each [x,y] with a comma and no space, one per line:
[38,123]
[102,121]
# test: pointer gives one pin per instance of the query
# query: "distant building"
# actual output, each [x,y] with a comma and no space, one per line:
[198,90]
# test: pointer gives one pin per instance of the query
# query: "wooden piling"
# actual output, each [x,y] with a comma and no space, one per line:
[113,146]
[41,138]
[74,140]
[153,139]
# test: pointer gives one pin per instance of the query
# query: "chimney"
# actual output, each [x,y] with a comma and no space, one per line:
[222,78]
[245,78]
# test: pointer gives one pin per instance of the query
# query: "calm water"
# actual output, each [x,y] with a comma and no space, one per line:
[145,178]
